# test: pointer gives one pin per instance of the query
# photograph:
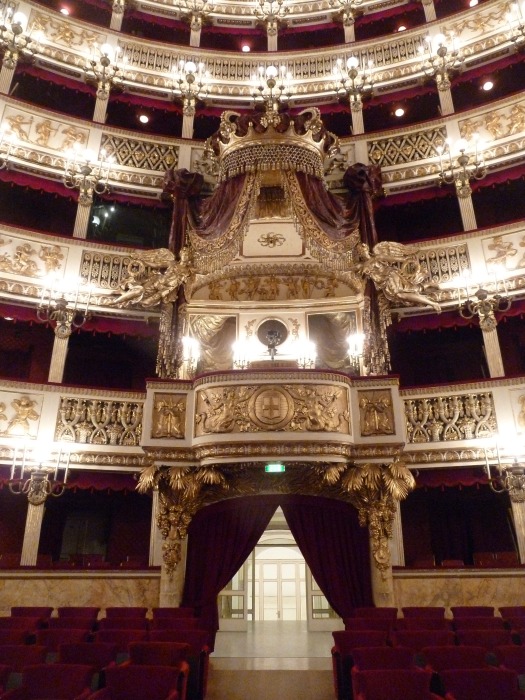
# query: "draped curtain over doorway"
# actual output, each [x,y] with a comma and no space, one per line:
[335,547]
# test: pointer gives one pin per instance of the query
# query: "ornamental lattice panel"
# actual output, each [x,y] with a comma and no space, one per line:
[133,153]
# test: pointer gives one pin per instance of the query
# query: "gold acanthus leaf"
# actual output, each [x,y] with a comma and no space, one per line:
[148,479]
[399,480]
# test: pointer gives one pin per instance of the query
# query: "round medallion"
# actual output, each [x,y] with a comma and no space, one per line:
[271,408]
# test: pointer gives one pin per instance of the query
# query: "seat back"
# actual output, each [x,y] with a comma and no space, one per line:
[52,638]
[511,656]
[479,623]
[19,623]
[512,611]
[174,612]
[13,636]
[481,684]
[78,611]
[423,611]
[383,624]
[423,623]
[138,682]
[31,611]
[71,623]
[161,653]
[444,658]
[18,656]
[56,681]
[488,639]
[121,638]
[96,654]
[174,623]
[121,612]
[380,658]
[390,613]
[198,659]
[392,684]
[347,640]
[123,623]
[472,611]
[417,639]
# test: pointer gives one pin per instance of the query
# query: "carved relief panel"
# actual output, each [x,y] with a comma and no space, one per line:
[169,416]
[288,407]
[19,414]
[376,413]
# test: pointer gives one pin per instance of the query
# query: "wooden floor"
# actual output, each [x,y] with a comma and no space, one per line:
[280,660]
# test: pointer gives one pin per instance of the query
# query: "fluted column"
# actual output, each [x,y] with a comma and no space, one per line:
[493,353]
[358,125]
[6,79]
[187,126]
[117,15]
[172,582]
[35,515]
[429,10]
[349,29]
[82,220]
[445,99]
[518,512]
[272,33]
[397,550]
[58,360]
[195,35]
[99,113]
[468,215]
[155,541]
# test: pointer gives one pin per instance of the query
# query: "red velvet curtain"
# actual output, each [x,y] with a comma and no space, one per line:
[220,539]
[335,548]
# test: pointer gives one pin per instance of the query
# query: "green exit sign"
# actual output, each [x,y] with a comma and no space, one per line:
[275,468]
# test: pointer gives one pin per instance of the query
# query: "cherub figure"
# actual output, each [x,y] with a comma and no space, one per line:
[395,271]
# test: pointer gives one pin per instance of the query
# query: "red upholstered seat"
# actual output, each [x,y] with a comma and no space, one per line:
[480,684]
[381,624]
[18,656]
[511,656]
[392,684]
[53,682]
[381,658]
[479,623]
[423,611]
[174,612]
[123,623]
[174,623]
[390,613]
[19,623]
[96,654]
[417,639]
[423,623]
[52,638]
[472,611]
[39,611]
[141,682]
[78,611]
[13,636]
[345,641]
[121,612]
[121,638]
[71,623]
[161,653]
[5,672]
[444,658]
[513,611]
[199,658]
[488,639]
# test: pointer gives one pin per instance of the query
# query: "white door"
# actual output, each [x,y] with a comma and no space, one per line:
[233,602]
[321,616]
[280,590]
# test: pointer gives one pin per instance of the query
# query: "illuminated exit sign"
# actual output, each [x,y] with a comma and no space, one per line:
[275,468]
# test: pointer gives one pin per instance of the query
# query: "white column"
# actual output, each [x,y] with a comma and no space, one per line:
[116,18]
[349,30]
[187,126]
[361,152]
[468,216]
[445,100]
[82,220]
[493,353]
[155,540]
[358,125]
[518,512]
[271,35]
[429,9]
[35,515]
[6,78]
[397,550]
[171,588]
[58,360]
[195,35]
[99,113]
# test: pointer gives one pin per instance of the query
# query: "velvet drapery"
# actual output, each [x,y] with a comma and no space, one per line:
[335,547]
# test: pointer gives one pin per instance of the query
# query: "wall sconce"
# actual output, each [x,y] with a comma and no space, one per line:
[103,69]
[307,355]
[271,13]
[354,82]
[87,175]
[272,87]
[14,41]
[444,58]
[189,85]
[64,314]
[463,168]
[191,352]
[510,477]
[36,480]
[243,352]
[484,304]
[356,344]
